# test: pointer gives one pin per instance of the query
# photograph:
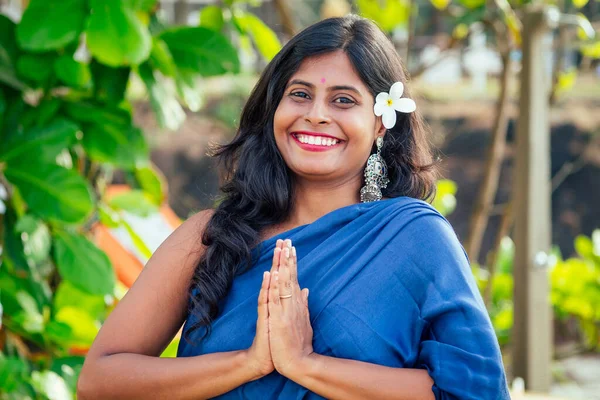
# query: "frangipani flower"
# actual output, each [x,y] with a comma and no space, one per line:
[386,105]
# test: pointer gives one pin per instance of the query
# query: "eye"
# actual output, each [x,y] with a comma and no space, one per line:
[344,100]
[300,94]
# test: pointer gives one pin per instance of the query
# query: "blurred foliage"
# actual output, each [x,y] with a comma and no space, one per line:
[65,128]
[574,288]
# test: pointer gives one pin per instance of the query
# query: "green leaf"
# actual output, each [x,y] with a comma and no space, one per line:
[152,183]
[161,58]
[171,350]
[134,201]
[188,90]
[9,77]
[167,109]
[49,25]
[84,328]
[584,246]
[141,5]
[445,200]
[83,264]
[580,3]
[472,4]
[51,384]
[138,242]
[115,35]
[13,371]
[50,191]
[46,142]
[30,319]
[71,72]
[264,38]
[8,44]
[201,50]
[121,145]
[388,15]
[35,68]
[440,4]
[109,83]
[211,17]
[68,295]
[87,112]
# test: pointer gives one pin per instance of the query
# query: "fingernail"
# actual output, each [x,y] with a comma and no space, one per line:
[287,252]
[294,251]
[288,242]
[307,293]
[265,274]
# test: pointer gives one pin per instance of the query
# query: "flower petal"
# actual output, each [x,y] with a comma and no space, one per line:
[389,118]
[382,98]
[404,105]
[396,90]
[380,107]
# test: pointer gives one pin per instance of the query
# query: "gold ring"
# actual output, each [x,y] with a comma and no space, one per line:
[285,297]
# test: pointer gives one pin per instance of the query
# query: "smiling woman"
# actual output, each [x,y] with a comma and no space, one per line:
[326,183]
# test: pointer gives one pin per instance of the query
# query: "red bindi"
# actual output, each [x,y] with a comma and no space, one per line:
[322,80]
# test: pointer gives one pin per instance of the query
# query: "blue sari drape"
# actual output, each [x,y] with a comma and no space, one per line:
[389,284]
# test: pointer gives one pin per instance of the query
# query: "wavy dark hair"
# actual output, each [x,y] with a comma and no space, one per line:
[258,186]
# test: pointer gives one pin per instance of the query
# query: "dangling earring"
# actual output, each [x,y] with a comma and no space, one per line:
[375,176]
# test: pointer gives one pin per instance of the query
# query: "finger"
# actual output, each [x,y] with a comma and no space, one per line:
[294,269]
[305,296]
[263,311]
[279,243]
[276,257]
[285,284]
[274,300]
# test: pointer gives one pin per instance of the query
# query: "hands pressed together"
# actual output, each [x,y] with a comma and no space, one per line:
[283,340]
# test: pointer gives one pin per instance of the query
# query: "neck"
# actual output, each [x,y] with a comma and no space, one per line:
[315,199]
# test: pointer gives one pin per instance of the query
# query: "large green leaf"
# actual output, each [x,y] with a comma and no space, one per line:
[167,109]
[83,264]
[35,68]
[109,83]
[201,50]
[264,38]
[45,142]
[49,25]
[71,72]
[50,191]
[121,145]
[13,371]
[115,35]
[68,295]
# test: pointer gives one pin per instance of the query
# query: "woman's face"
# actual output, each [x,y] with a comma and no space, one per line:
[324,124]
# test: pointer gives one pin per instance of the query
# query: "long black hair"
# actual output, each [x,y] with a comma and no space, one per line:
[258,186]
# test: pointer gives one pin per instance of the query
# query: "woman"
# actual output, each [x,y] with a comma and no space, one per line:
[393,311]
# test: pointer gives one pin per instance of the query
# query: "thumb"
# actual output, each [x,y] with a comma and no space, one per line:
[305,296]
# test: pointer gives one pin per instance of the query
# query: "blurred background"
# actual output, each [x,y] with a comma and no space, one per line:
[108,109]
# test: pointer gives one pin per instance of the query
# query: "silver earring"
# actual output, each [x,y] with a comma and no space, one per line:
[375,176]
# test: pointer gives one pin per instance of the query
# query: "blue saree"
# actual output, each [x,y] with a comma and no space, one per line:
[389,284]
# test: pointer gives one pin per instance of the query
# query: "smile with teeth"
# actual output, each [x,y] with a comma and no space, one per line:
[316,140]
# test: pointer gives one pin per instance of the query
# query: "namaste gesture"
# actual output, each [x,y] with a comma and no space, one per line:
[283,340]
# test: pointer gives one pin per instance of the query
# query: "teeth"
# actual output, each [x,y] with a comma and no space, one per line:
[317,140]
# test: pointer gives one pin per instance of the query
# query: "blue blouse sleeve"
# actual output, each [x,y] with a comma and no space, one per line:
[458,347]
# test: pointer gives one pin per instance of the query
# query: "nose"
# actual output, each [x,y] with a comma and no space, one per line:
[317,114]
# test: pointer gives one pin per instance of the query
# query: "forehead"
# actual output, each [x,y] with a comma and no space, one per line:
[331,68]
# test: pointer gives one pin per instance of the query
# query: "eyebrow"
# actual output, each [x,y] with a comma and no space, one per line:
[331,88]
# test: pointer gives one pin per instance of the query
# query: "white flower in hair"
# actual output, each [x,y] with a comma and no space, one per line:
[386,105]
